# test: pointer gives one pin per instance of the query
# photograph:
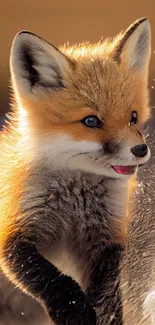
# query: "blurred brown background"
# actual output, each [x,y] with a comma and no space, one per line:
[69,20]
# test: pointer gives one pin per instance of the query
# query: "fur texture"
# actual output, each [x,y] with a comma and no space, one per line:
[63,206]
[138,267]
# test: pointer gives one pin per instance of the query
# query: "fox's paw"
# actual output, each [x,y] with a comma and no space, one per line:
[69,306]
[90,316]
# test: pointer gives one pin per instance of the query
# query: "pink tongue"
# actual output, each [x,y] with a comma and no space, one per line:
[124,169]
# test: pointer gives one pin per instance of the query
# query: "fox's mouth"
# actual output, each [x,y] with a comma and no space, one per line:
[124,170]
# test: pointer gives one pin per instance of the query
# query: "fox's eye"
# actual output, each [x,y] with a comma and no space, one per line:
[133,118]
[92,121]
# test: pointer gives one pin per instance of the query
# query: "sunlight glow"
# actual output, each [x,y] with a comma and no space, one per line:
[23,121]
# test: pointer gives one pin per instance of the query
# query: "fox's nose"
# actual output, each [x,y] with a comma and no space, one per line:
[140,150]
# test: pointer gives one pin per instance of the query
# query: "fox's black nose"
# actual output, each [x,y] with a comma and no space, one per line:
[140,150]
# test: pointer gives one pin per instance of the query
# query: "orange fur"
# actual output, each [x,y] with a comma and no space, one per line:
[14,175]
[96,85]
[109,92]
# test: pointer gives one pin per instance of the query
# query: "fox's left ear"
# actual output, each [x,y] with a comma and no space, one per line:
[37,66]
[133,49]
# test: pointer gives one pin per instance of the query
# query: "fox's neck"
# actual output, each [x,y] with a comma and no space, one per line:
[114,192]
[118,194]
[106,199]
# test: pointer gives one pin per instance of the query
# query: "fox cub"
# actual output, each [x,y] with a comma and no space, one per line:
[68,158]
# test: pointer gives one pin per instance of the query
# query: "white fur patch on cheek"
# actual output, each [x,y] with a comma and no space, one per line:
[60,148]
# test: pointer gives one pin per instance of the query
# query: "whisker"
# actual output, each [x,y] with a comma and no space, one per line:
[78,154]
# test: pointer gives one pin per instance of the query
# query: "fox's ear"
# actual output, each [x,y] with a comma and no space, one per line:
[36,65]
[134,47]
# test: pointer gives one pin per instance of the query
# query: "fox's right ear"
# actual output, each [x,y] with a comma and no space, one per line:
[134,47]
[37,65]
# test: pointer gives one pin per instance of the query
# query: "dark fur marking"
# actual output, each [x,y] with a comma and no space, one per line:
[111,147]
[105,275]
[62,296]
[139,133]
[28,60]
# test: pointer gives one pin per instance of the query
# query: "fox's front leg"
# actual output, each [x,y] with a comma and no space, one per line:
[104,291]
[61,296]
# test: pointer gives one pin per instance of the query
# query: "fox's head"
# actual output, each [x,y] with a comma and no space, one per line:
[85,104]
